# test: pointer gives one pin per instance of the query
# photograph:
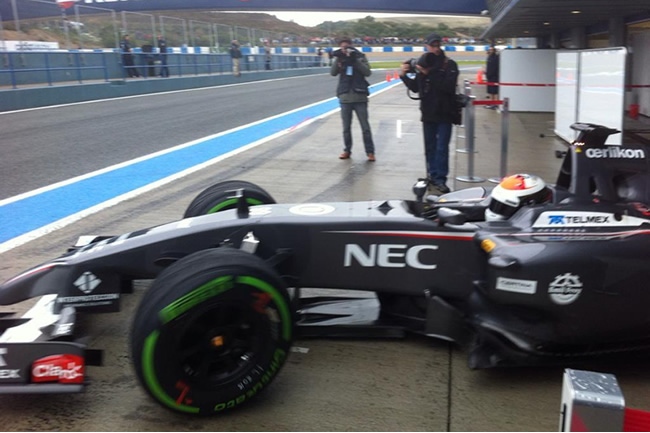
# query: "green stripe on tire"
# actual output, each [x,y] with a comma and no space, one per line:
[233,201]
[277,297]
[152,381]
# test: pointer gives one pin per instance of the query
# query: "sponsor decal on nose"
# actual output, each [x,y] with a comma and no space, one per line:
[59,368]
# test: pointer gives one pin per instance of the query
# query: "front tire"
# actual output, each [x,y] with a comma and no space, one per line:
[219,197]
[212,332]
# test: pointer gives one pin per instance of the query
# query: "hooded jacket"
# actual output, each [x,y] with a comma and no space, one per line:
[437,89]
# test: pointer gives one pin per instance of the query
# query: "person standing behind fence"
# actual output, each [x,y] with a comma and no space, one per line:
[492,75]
[267,57]
[162,47]
[435,81]
[127,57]
[352,67]
[235,53]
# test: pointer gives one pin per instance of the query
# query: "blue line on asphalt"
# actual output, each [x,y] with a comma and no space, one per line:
[31,213]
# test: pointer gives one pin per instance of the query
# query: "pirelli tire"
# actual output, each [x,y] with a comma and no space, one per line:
[219,197]
[212,332]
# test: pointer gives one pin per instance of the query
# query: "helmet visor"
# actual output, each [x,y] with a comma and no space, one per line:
[501,208]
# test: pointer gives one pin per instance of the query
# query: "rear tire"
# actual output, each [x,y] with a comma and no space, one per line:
[212,332]
[218,198]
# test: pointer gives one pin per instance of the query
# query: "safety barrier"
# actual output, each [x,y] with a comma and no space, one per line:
[594,402]
[47,68]
[469,119]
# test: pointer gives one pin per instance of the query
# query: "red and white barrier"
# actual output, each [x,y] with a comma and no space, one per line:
[594,402]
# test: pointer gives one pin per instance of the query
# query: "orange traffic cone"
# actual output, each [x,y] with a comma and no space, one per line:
[388,76]
[480,76]
[395,76]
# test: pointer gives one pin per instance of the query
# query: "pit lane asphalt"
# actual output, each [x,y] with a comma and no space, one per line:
[44,146]
[414,384]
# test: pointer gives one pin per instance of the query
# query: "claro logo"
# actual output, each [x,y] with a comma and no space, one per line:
[388,256]
[59,368]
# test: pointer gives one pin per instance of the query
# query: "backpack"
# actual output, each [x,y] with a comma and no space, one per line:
[458,102]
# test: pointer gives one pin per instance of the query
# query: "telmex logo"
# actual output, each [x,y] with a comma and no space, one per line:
[388,256]
[615,152]
[566,219]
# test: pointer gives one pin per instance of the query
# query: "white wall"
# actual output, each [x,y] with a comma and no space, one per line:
[601,89]
[528,66]
[566,93]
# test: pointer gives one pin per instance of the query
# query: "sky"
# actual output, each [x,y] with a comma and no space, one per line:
[311,19]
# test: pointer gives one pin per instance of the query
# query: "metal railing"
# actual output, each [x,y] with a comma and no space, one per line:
[19,69]
[469,118]
[73,68]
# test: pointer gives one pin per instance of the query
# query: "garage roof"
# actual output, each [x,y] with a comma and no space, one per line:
[534,18]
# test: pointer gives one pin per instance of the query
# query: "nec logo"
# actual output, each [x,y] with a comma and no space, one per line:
[388,256]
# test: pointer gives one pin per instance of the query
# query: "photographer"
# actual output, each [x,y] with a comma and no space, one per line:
[352,67]
[435,81]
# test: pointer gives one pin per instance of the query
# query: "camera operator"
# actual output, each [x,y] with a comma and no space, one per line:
[352,67]
[435,81]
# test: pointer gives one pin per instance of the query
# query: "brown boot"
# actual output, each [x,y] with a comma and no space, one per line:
[344,155]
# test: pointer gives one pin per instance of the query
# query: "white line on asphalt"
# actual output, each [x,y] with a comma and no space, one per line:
[399,133]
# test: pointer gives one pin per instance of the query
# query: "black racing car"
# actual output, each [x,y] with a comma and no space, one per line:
[554,273]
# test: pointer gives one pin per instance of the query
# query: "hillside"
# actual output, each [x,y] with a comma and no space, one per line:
[451,21]
[97,31]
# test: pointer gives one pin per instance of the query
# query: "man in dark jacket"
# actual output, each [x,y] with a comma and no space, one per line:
[127,57]
[235,53]
[162,47]
[492,75]
[435,81]
[352,67]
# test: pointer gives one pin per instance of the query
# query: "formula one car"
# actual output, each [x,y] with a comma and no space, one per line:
[526,273]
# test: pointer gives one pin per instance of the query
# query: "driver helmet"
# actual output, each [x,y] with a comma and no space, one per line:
[514,192]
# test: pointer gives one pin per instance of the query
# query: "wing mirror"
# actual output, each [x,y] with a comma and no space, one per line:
[451,216]
[419,189]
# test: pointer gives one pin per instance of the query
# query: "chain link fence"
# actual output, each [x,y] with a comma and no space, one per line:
[140,27]
[96,27]
[201,34]
[91,27]
[224,34]
[174,31]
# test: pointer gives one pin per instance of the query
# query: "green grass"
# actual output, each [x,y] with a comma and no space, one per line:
[395,64]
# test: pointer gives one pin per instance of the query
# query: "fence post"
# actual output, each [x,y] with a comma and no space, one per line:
[469,134]
[468,92]
[78,65]
[505,121]
[47,69]
[104,66]
[13,71]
